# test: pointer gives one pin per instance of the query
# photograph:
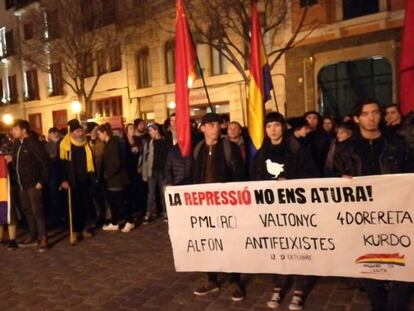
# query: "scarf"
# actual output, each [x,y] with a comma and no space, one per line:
[65,151]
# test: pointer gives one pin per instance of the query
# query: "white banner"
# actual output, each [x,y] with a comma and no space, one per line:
[360,227]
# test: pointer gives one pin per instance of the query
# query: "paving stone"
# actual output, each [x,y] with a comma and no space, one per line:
[135,271]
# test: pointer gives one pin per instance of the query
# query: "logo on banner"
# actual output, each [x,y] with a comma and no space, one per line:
[380,263]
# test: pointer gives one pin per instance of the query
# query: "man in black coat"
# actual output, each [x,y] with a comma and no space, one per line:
[374,152]
[217,160]
[77,175]
[31,162]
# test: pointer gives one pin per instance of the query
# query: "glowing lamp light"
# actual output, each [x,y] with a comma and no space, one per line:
[190,82]
[8,119]
[171,105]
[76,107]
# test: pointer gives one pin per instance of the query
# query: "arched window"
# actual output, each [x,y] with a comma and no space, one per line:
[170,61]
[143,68]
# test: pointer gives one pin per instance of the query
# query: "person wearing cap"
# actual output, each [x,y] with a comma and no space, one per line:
[78,168]
[153,166]
[217,160]
[31,163]
[282,157]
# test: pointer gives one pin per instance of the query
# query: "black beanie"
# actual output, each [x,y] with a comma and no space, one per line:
[297,123]
[275,117]
[74,125]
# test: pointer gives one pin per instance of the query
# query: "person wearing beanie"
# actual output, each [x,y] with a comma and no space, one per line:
[299,129]
[78,168]
[282,157]
[217,160]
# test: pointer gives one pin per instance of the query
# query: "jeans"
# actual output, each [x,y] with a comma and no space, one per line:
[235,278]
[156,181]
[118,206]
[32,205]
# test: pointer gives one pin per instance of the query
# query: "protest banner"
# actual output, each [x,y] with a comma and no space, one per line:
[359,227]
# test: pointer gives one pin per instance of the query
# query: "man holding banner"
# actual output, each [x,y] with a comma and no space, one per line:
[374,152]
[217,160]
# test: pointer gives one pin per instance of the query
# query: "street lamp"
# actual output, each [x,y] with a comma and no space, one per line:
[76,108]
[8,119]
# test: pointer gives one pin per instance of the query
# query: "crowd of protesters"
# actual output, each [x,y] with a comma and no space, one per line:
[116,180]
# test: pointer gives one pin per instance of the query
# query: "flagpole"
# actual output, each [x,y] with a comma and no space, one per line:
[204,83]
[274,96]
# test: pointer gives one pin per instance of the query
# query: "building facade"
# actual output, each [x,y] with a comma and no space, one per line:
[339,37]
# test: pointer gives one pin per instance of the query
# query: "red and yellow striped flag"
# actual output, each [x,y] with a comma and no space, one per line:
[260,82]
[4,192]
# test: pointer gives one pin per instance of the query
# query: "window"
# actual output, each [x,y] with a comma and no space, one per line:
[101,62]
[3,46]
[356,8]
[304,3]
[344,84]
[115,58]
[2,95]
[9,4]
[170,61]
[144,68]
[32,85]
[35,121]
[28,31]
[13,96]
[109,10]
[218,62]
[56,77]
[60,118]
[108,107]
[6,42]
[53,26]
[10,42]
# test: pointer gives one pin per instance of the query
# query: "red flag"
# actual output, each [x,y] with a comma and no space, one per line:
[185,57]
[407,60]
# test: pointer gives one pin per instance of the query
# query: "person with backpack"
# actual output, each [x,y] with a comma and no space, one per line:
[284,150]
[217,160]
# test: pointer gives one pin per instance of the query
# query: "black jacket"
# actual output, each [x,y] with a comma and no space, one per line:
[394,157]
[31,162]
[223,171]
[178,169]
[298,162]
[114,169]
